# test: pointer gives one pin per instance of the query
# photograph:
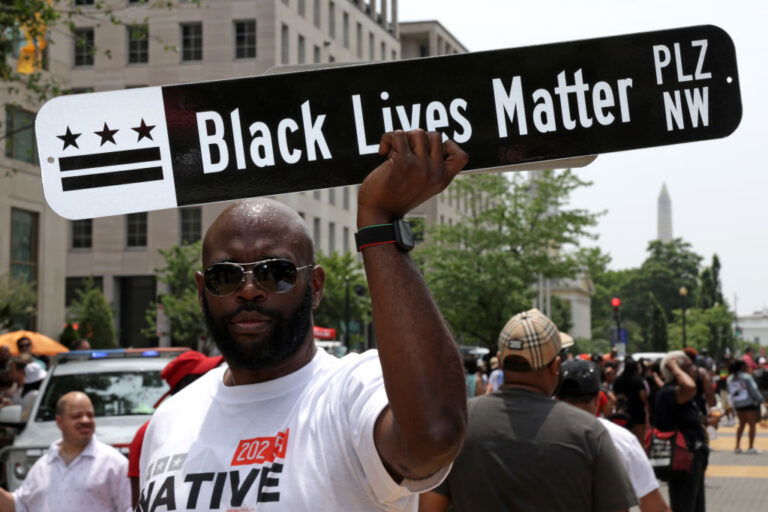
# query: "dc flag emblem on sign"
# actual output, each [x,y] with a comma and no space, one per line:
[109,154]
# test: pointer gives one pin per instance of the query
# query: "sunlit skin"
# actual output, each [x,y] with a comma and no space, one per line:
[252,231]
[76,423]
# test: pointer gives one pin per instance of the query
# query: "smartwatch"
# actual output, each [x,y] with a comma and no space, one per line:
[398,232]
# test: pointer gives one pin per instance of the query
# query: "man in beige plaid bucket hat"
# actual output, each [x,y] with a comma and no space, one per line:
[526,451]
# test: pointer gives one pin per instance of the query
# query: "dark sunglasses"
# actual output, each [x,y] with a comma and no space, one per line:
[274,275]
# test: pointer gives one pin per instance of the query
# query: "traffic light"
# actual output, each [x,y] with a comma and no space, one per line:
[615,302]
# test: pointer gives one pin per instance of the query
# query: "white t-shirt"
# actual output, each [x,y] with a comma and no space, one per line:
[635,460]
[95,481]
[300,442]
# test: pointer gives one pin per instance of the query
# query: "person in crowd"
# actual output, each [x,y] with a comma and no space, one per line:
[631,388]
[580,387]
[5,357]
[705,391]
[676,411]
[749,359]
[24,393]
[365,432]
[473,378]
[82,344]
[721,386]
[526,451]
[607,398]
[496,378]
[654,381]
[77,473]
[178,373]
[746,399]
[24,346]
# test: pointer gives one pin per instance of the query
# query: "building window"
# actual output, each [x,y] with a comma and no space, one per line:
[136,229]
[345,198]
[20,135]
[331,58]
[24,232]
[394,54]
[383,50]
[332,19]
[84,47]
[302,8]
[371,46]
[316,232]
[316,194]
[316,13]
[345,29]
[245,39]
[359,40]
[331,237]
[82,234]
[191,42]
[138,44]
[284,45]
[302,50]
[191,224]
[331,196]
[345,240]
[83,2]
[316,55]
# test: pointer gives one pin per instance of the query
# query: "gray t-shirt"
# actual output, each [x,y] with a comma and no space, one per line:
[526,451]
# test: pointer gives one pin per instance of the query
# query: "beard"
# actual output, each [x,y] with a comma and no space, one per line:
[285,339]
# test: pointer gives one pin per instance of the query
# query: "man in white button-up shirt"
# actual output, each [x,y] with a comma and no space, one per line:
[77,473]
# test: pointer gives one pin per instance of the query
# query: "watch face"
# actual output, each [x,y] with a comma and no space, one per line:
[403,234]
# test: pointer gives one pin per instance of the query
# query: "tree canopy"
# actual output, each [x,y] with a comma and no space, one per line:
[482,270]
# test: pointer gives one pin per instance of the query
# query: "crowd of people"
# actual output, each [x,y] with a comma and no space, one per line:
[686,391]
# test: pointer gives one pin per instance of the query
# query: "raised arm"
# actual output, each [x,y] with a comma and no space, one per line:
[7,503]
[423,428]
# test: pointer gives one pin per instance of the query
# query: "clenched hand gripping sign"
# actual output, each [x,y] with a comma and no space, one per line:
[160,147]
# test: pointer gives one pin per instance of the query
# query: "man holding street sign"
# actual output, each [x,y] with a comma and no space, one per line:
[290,427]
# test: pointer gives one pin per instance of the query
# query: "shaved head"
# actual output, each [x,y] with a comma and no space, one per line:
[257,218]
[72,396]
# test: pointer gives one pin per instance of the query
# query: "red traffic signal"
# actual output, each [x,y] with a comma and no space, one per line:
[615,302]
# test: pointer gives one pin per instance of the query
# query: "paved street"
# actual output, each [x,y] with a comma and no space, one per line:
[737,483]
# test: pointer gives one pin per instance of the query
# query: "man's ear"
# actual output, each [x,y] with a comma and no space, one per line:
[318,282]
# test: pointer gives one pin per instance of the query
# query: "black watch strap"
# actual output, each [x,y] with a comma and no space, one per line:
[375,235]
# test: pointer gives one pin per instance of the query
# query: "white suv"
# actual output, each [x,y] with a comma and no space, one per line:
[123,385]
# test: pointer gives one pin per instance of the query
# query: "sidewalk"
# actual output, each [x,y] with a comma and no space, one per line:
[736,482]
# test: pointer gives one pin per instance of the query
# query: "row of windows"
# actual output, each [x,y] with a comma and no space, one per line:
[317,236]
[317,10]
[317,194]
[191,35]
[190,229]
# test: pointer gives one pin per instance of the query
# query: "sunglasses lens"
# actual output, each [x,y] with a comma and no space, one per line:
[276,276]
[223,279]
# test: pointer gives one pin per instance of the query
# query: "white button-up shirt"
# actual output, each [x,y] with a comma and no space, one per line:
[95,481]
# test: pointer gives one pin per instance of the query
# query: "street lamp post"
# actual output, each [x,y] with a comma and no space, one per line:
[684,294]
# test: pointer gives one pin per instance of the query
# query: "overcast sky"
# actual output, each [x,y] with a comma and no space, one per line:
[719,188]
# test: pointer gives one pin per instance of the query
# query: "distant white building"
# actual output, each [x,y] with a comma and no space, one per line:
[754,327]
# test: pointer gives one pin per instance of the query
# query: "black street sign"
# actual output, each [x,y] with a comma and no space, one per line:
[160,147]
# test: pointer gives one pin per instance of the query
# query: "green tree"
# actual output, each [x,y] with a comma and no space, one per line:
[667,268]
[705,328]
[91,311]
[657,327]
[710,288]
[343,274]
[18,299]
[482,270]
[180,303]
